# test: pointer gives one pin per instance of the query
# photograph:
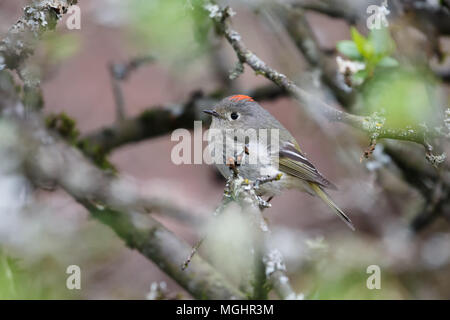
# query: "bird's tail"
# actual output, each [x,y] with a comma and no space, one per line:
[324,196]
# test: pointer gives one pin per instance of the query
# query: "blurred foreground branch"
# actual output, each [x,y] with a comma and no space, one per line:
[112,200]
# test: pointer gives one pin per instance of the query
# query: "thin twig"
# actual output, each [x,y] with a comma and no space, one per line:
[193,252]
[120,72]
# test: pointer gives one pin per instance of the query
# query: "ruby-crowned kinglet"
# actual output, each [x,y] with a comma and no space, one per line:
[277,152]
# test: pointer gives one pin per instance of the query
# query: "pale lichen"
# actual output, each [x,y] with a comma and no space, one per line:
[237,71]
[436,160]
[273,261]
[374,124]
[214,11]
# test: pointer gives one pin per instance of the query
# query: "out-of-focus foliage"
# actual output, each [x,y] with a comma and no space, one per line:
[60,47]
[405,96]
[351,284]
[18,283]
[229,244]
[174,30]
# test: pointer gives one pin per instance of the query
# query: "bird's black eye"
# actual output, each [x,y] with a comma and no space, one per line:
[234,115]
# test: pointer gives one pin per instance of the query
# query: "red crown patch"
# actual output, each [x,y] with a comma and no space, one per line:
[241,97]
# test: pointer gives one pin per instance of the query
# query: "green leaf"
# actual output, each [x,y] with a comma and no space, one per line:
[388,62]
[369,52]
[349,49]
[358,39]
[381,41]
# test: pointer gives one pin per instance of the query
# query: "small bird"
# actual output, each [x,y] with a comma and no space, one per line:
[240,112]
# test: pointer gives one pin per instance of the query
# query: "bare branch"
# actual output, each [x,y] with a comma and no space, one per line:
[120,72]
[153,122]
[433,208]
[160,120]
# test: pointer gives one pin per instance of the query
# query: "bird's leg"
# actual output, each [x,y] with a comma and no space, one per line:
[263,204]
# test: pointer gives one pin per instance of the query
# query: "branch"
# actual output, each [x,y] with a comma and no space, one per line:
[434,185]
[160,120]
[354,11]
[350,11]
[20,40]
[424,178]
[113,201]
[39,17]
[153,122]
[303,36]
[433,208]
[300,31]
[423,12]
[120,72]
[371,125]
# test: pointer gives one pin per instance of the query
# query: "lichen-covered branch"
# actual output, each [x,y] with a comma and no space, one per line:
[20,41]
[371,125]
[38,17]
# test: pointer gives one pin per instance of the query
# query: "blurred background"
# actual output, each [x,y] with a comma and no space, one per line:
[43,232]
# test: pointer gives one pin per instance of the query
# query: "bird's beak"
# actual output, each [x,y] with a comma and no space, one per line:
[214,113]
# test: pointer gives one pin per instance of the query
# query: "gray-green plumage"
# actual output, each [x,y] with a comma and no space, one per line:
[239,113]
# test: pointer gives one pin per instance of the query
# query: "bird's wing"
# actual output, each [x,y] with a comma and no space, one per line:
[292,161]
